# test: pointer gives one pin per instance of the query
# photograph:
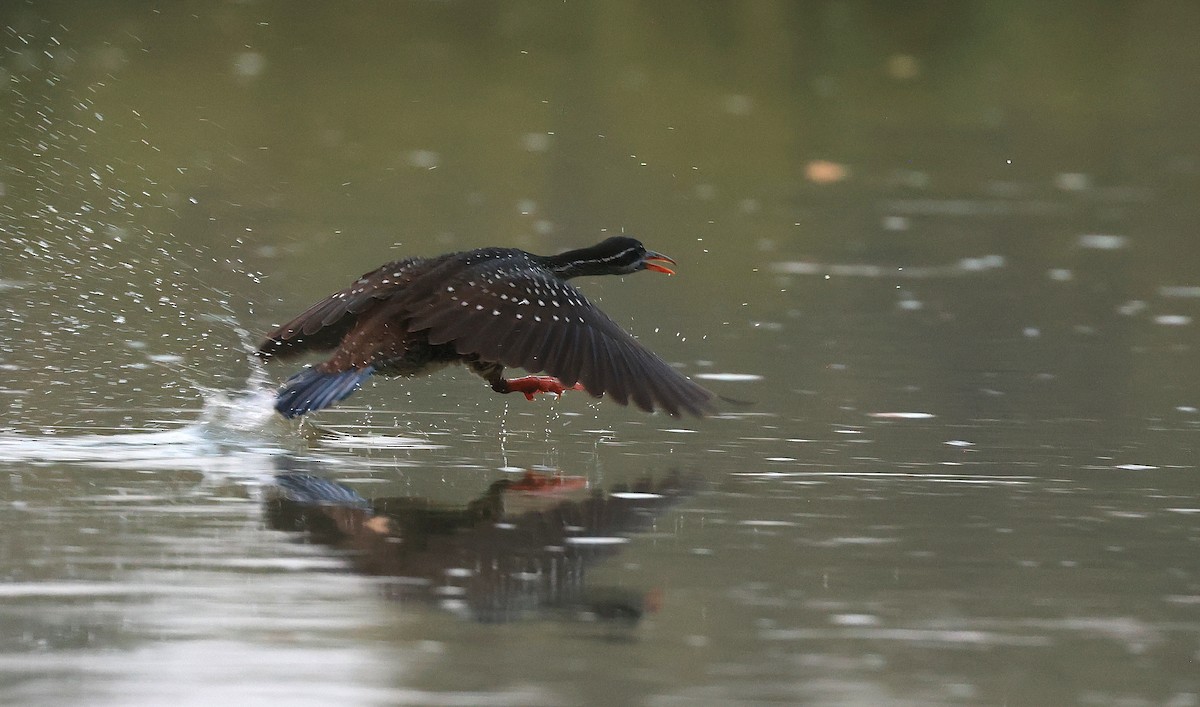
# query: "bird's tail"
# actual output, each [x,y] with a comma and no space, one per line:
[312,389]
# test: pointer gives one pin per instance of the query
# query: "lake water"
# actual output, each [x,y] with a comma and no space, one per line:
[947,256]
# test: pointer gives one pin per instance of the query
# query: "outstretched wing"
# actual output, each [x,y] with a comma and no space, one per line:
[322,326]
[511,311]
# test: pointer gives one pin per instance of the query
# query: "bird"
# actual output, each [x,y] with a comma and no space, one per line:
[488,309]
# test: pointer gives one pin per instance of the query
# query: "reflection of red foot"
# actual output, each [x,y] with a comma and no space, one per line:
[532,385]
[653,601]
[533,482]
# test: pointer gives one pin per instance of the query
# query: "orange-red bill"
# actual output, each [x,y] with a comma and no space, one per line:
[652,260]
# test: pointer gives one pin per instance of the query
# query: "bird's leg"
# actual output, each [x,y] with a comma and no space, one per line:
[529,386]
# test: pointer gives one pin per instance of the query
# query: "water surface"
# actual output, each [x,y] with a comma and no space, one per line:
[947,256]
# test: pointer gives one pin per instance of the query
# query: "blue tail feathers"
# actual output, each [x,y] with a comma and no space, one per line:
[313,389]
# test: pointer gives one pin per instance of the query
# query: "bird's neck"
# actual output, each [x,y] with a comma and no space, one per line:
[579,262]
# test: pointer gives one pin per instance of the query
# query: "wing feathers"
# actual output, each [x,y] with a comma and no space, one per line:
[322,326]
[521,316]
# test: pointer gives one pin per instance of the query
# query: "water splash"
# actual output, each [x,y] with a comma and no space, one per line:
[234,433]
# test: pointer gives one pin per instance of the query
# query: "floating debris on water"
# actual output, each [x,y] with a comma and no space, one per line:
[596,540]
[973,264]
[350,441]
[1132,307]
[854,620]
[1103,241]
[1183,291]
[902,415]
[825,172]
[1173,319]
[1073,181]
[729,377]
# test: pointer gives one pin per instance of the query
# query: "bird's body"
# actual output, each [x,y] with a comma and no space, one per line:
[489,309]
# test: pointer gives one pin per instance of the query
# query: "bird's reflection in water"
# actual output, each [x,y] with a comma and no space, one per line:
[520,550]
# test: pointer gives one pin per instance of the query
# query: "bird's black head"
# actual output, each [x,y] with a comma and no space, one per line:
[618,255]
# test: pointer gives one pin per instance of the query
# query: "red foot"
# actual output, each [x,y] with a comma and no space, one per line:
[532,385]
